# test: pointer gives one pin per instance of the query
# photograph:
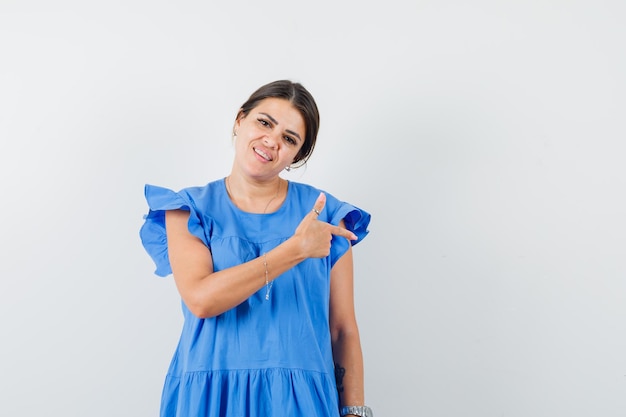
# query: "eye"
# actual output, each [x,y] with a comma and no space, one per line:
[290,140]
[264,122]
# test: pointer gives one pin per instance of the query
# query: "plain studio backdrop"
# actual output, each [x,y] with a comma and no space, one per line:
[486,138]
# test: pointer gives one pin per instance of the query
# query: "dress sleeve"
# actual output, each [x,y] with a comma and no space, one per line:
[356,220]
[152,232]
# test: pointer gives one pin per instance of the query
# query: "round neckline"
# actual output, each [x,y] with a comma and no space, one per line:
[234,206]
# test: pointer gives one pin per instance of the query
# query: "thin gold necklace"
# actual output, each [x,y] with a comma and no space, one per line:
[268,203]
[268,284]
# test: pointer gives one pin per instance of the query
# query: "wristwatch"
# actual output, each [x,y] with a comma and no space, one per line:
[357,410]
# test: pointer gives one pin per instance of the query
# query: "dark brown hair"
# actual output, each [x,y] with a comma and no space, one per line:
[301,99]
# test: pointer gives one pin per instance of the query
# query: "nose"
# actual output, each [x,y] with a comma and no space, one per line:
[270,141]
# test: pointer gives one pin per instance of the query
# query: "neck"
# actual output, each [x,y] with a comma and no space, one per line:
[256,196]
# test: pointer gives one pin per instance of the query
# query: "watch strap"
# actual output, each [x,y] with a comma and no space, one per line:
[357,410]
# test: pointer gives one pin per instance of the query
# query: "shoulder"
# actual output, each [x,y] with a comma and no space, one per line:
[201,193]
[303,189]
[161,198]
[305,195]
[309,190]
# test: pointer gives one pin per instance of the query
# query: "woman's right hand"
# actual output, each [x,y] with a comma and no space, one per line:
[315,235]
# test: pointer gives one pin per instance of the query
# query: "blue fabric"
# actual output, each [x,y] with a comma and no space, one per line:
[264,357]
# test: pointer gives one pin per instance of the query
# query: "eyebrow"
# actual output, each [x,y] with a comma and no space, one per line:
[291,132]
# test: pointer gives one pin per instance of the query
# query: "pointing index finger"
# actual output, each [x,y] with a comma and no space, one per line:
[340,231]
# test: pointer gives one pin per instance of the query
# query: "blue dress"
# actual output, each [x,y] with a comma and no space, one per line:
[264,357]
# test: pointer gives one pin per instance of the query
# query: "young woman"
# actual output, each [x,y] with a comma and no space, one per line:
[264,270]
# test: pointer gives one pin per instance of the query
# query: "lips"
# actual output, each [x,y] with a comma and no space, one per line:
[262,154]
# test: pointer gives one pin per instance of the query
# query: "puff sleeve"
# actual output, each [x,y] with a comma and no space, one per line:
[152,232]
[355,219]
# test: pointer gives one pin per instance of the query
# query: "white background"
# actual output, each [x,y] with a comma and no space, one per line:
[486,138]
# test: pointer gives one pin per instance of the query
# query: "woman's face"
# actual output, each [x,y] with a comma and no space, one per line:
[269,137]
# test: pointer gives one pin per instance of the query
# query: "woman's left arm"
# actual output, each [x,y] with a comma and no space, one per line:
[346,341]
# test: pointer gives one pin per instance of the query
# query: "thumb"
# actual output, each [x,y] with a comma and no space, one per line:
[319,204]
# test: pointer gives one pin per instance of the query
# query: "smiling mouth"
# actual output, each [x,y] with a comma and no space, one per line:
[262,154]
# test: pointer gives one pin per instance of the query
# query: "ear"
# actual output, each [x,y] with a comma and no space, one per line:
[238,120]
